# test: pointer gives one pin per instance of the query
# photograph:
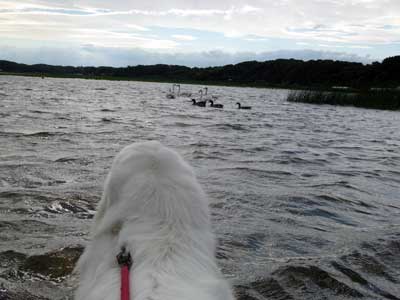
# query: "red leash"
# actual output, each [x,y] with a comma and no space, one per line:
[125,262]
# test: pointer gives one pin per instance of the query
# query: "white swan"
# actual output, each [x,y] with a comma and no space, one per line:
[171,94]
[212,97]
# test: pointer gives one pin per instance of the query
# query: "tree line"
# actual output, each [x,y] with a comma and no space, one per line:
[279,72]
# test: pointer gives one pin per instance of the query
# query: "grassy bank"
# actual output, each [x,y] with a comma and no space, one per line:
[374,99]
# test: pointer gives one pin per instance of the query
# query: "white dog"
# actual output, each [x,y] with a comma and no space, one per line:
[153,206]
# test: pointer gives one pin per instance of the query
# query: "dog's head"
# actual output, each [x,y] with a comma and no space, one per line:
[152,183]
[153,207]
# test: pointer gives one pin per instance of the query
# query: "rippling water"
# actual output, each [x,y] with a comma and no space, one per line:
[305,199]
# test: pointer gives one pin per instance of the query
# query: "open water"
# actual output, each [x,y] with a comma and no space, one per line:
[305,199]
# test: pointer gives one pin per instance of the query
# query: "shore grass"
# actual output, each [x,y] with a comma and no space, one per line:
[375,99]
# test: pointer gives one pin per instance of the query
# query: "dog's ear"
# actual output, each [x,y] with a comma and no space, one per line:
[101,208]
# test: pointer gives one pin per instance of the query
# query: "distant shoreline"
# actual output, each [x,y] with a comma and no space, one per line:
[280,73]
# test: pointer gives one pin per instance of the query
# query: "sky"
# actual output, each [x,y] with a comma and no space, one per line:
[196,32]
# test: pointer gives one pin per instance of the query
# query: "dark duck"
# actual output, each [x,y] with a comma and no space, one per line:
[200,103]
[216,105]
[242,107]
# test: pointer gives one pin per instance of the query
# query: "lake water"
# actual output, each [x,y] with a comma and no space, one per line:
[305,199]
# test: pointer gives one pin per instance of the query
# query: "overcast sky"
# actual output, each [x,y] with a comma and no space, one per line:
[196,33]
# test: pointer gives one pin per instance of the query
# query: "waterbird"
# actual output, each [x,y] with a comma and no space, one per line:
[217,105]
[206,93]
[171,94]
[179,89]
[242,107]
[200,103]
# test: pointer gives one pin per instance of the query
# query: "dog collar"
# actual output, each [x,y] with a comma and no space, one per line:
[125,262]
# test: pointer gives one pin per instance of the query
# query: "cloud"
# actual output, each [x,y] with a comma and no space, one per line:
[253,38]
[320,20]
[178,12]
[255,26]
[136,27]
[183,37]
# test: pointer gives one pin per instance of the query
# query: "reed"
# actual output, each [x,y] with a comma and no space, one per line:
[388,99]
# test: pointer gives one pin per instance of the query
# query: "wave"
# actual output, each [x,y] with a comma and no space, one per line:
[22,134]
[259,172]
[26,226]
[41,134]
[66,159]
[215,155]
[107,119]
[228,126]
[78,209]
[40,111]
[182,124]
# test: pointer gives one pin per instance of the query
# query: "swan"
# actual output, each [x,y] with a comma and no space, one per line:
[215,105]
[200,103]
[213,97]
[183,94]
[179,89]
[171,94]
[242,107]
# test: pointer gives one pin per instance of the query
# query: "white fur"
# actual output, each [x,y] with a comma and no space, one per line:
[152,205]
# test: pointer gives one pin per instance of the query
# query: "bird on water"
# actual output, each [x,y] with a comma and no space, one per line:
[200,103]
[242,107]
[216,105]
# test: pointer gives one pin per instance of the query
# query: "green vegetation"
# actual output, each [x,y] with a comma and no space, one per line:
[376,99]
[284,73]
